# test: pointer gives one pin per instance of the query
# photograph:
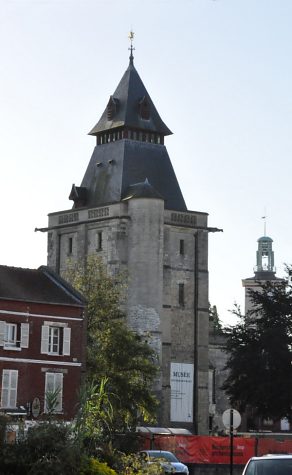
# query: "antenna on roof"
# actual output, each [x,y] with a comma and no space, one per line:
[131,38]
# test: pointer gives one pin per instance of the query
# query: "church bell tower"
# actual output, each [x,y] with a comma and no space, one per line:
[264,269]
[130,211]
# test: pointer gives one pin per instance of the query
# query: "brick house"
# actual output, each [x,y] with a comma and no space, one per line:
[42,342]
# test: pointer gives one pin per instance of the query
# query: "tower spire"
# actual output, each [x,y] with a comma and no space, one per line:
[131,38]
[265,222]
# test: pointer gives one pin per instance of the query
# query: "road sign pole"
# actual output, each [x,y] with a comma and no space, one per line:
[231,441]
[231,420]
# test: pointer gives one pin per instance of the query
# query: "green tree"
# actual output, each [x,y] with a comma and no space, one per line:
[214,319]
[48,448]
[260,352]
[114,352]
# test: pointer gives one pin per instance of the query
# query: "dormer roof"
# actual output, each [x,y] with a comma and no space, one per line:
[78,194]
[142,190]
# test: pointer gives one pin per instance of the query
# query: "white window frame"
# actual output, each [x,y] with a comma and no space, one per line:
[54,340]
[9,388]
[64,339]
[14,344]
[53,382]
[10,336]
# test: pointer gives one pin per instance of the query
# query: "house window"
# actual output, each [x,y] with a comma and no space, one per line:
[181,247]
[181,294]
[14,336]
[56,339]
[99,241]
[9,388]
[54,387]
[10,337]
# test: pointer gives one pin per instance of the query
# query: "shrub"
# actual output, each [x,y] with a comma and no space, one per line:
[95,467]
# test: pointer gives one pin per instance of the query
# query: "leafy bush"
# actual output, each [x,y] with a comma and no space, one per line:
[95,467]
[134,464]
[47,449]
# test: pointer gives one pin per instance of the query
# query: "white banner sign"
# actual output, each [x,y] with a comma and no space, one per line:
[182,386]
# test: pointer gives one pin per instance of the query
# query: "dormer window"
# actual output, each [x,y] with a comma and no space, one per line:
[111,107]
[144,108]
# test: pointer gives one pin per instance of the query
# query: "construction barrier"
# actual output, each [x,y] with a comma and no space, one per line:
[216,450]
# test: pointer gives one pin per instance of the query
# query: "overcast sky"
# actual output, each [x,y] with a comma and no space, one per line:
[219,73]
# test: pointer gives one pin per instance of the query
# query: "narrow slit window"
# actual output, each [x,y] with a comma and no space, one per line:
[99,241]
[181,247]
[70,245]
[181,294]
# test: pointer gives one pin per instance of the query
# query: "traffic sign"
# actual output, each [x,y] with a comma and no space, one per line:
[227,418]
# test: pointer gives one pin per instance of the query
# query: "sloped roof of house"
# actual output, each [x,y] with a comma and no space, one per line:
[37,285]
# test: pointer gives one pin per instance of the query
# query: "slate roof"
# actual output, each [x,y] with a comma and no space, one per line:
[128,162]
[40,285]
[127,98]
[265,239]
[142,190]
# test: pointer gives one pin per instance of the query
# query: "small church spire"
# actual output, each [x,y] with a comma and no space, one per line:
[131,38]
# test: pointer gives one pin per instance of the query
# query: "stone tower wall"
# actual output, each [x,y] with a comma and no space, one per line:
[145,267]
[160,250]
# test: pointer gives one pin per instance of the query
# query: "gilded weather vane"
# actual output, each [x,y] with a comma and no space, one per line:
[131,38]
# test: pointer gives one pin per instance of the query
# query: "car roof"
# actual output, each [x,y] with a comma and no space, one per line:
[157,450]
[273,456]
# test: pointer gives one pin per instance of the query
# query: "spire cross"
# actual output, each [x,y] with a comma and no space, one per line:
[131,38]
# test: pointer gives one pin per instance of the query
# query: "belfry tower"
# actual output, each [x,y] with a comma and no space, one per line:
[263,271]
[129,210]
[265,259]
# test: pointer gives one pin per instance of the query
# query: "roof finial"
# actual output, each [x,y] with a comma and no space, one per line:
[265,222]
[131,38]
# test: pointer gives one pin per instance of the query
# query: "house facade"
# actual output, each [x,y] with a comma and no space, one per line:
[42,343]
